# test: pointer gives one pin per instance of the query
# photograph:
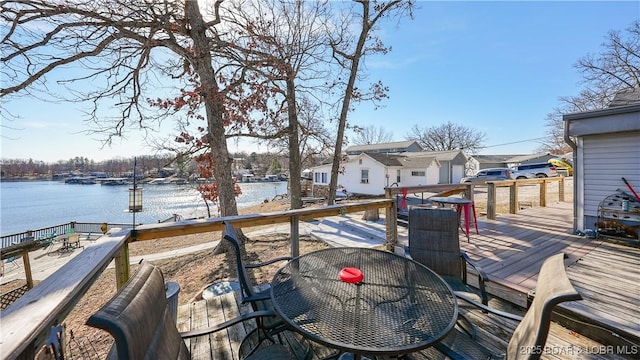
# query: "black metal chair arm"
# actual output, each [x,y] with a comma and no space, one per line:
[482,277]
[226,324]
[257,297]
[488,309]
[268,262]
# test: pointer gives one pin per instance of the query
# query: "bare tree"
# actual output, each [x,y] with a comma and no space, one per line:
[616,68]
[283,46]
[348,52]
[372,135]
[447,136]
[314,137]
[118,48]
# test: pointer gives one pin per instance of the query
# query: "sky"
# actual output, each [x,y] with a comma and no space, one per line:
[498,67]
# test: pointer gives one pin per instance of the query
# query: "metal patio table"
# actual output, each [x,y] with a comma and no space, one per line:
[400,306]
[462,205]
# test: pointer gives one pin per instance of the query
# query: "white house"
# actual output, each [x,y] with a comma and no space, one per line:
[370,173]
[606,146]
[452,164]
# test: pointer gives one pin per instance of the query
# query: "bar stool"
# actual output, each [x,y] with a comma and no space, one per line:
[467,216]
[462,205]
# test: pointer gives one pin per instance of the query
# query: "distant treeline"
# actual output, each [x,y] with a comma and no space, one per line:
[145,164]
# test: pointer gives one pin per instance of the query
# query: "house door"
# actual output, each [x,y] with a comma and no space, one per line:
[457,173]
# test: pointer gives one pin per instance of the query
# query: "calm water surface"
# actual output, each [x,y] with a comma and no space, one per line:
[38,204]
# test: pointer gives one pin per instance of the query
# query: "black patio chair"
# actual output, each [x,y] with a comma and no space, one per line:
[140,322]
[259,300]
[434,241]
[531,333]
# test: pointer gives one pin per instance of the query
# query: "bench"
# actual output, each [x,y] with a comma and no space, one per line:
[140,322]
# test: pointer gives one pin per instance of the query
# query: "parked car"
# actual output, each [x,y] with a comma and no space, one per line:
[489,174]
[563,165]
[534,170]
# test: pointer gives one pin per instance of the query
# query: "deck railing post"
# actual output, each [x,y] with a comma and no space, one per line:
[543,193]
[122,266]
[295,236]
[27,269]
[391,223]
[491,200]
[513,197]
[561,189]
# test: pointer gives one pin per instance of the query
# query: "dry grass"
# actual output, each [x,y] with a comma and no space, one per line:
[194,272]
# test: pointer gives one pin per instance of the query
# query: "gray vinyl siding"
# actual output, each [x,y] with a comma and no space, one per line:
[607,159]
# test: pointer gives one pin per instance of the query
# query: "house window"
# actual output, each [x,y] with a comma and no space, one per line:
[320,178]
[418,173]
[360,161]
[398,176]
[364,176]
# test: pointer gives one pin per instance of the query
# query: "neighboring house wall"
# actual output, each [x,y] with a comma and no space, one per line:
[452,164]
[607,148]
[353,180]
[605,160]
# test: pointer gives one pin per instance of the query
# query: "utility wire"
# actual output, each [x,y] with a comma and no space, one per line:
[515,142]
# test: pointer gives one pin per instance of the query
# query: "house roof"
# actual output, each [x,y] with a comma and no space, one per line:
[439,155]
[493,158]
[398,146]
[413,161]
[626,97]
[507,158]
[387,159]
[418,161]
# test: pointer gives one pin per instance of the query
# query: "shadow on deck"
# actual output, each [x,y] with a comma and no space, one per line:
[511,250]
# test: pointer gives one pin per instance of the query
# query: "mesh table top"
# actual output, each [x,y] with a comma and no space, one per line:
[399,307]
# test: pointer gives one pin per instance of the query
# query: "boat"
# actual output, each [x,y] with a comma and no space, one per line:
[81,180]
[114,181]
[159,181]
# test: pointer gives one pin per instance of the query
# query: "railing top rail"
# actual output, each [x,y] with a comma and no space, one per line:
[425,188]
[43,306]
[32,315]
[186,227]
[505,183]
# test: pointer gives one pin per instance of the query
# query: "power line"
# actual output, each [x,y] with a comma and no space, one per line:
[515,142]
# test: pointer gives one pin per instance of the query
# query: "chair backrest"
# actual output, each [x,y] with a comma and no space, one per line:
[231,236]
[139,320]
[74,239]
[434,240]
[553,288]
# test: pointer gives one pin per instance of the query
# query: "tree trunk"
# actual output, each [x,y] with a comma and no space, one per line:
[371,215]
[295,171]
[214,110]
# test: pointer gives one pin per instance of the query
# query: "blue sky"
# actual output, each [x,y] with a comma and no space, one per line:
[497,67]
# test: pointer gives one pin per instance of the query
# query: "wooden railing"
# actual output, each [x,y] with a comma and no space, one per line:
[492,199]
[513,185]
[81,227]
[26,323]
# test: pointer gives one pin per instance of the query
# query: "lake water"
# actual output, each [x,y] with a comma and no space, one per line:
[38,204]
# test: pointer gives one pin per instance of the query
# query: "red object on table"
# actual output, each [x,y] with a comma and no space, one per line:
[351,275]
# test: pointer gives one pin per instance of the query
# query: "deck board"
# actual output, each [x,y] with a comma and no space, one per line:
[511,250]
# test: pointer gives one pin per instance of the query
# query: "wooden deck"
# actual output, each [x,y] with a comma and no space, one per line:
[511,249]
